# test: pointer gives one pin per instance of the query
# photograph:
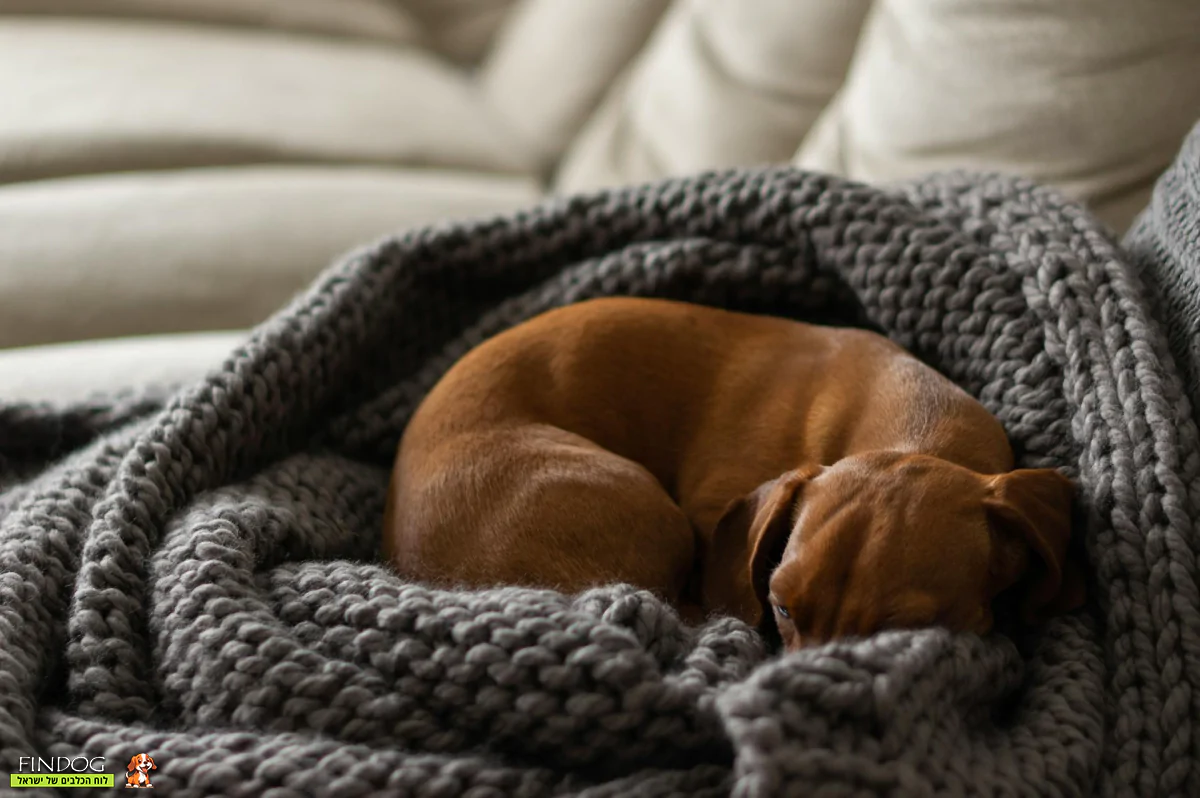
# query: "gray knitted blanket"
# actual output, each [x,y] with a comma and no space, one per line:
[1164,244]
[194,576]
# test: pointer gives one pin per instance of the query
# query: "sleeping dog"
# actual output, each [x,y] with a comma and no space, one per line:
[819,481]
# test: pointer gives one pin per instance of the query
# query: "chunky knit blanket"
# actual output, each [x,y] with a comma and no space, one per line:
[1164,244]
[194,575]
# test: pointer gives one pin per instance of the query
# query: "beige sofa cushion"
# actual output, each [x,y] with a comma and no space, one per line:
[72,372]
[1094,96]
[588,42]
[460,30]
[719,84]
[381,19]
[139,95]
[209,249]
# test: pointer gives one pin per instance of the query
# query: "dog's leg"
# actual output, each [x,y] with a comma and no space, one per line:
[538,506]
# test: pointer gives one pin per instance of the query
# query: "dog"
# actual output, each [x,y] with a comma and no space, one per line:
[816,482]
[137,772]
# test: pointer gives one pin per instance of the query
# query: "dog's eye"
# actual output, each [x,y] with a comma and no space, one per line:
[782,610]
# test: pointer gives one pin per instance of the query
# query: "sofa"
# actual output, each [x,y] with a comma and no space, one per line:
[173,171]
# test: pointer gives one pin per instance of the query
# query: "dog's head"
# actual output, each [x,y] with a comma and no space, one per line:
[885,540]
[142,763]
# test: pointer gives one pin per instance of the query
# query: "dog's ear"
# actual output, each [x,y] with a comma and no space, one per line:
[132,766]
[151,760]
[747,544]
[1033,506]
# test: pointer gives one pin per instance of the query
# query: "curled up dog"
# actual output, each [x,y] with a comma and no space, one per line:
[816,482]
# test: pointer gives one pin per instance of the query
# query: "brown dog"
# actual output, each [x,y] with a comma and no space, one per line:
[732,463]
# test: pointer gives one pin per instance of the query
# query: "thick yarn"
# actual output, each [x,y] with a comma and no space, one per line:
[1164,243]
[193,576]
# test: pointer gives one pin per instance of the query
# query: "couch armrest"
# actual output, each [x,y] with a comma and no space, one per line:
[71,372]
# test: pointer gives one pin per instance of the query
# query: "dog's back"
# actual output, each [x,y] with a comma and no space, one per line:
[595,442]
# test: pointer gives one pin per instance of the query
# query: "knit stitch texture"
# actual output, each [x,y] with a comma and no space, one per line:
[195,575]
[1164,244]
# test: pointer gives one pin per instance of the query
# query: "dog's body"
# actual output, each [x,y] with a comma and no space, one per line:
[666,445]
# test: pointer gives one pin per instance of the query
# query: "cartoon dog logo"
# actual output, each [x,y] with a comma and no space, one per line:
[137,772]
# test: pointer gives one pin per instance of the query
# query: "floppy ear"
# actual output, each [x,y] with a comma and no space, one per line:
[152,765]
[1033,505]
[132,766]
[746,545]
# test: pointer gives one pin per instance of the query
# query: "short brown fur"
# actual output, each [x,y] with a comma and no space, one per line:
[732,463]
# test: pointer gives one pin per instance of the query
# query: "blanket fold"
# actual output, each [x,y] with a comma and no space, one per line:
[1164,245]
[193,576]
